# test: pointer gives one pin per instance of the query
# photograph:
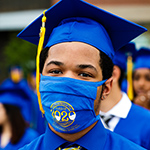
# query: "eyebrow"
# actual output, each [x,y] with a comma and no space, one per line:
[81,66]
[58,63]
[84,66]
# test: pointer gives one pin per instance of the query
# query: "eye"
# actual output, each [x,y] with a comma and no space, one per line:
[85,75]
[147,77]
[136,77]
[55,71]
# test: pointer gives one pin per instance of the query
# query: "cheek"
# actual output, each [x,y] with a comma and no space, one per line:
[147,85]
[135,84]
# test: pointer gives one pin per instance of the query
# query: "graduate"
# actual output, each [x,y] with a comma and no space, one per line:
[141,78]
[21,84]
[76,66]
[118,113]
[31,110]
[14,130]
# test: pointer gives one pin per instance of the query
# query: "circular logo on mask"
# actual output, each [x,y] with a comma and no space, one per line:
[63,113]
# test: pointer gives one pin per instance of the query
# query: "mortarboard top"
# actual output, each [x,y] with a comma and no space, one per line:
[116,32]
[13,96]
[8,84]
[142,58]
[120,57]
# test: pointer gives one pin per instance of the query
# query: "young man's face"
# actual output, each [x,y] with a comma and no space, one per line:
[75,60]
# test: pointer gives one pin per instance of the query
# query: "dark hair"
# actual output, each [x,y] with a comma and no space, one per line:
[122,76]
[106,63]
[17,122]
[43,56]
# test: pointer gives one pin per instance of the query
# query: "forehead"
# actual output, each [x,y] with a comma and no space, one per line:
[75,51]
[142,71]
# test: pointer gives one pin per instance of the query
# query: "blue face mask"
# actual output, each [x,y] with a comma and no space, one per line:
[68,103]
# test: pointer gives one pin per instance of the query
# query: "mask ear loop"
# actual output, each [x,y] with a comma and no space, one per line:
[103,87]
[40,47]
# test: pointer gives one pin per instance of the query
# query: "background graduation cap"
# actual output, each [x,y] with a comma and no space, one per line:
[121,56]
[115,30]
[124,59]
[16,94]
[142,58]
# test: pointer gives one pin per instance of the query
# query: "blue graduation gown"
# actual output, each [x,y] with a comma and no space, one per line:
[98,138]
[28,136]
[135,127]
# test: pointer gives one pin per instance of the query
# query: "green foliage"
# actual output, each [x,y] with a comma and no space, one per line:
[20,52]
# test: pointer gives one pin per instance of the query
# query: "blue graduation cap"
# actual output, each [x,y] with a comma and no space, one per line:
[142,59]
[14,94]
[76,20]
[121,56]
[88,24]
[124,58]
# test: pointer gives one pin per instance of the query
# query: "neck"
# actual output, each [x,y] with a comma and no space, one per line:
[113,98]
[6,134]
[75,136]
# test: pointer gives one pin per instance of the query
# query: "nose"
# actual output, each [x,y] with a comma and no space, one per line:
[70,74]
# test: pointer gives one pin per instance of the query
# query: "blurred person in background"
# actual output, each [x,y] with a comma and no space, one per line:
[14,130]
[16,81]
[31,113]
[118,113]
[141,78]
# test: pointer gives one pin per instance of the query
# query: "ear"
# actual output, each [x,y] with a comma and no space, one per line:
[116,73]
[107,88]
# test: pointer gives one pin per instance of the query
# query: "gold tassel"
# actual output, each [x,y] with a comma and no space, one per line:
[40,47]
[129,78]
